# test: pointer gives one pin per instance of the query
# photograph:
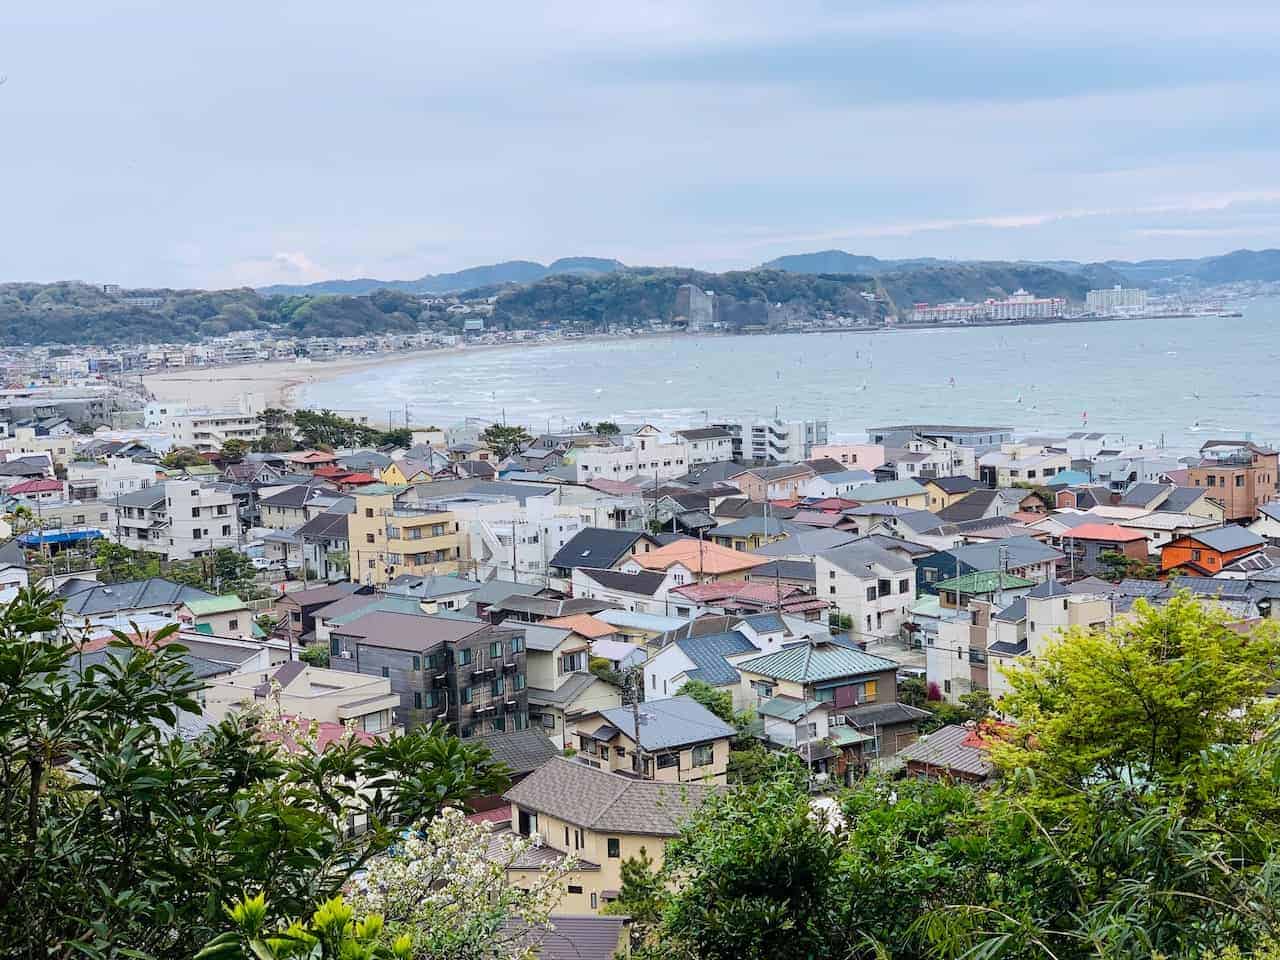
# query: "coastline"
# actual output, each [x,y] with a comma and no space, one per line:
[280,380]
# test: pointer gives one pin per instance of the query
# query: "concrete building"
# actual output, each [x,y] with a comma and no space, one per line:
[774,440]
[963,436]
[646,453]
[391,535]
[872,586]
[707,444]
[1240,475]
[695,306]
[180,519]
[107,480]
[308,693]
[203,429]
[1118,301]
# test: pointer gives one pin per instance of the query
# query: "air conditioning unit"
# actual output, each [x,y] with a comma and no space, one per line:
[839,720]
[345,654]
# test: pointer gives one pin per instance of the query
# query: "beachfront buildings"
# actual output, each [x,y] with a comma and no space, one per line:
[391,535]
[1117,301]
[707,444]
[1240,475]
[646,453]
[1020,305]
[775,440]
[205,429]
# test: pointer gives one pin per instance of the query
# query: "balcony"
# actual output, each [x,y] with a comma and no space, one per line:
[478,673]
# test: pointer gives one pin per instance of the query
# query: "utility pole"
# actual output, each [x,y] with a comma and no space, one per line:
[637,675]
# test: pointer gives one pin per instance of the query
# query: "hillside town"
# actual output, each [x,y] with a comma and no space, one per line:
[630,618]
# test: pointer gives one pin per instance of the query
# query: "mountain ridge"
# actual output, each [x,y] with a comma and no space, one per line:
[470,278]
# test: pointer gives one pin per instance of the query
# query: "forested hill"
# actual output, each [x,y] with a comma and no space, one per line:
[509,271]
[636,296]
[978,281]
[77,313]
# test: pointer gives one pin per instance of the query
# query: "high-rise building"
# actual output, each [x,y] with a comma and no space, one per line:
[695,305]
[774,440]
[1117,300]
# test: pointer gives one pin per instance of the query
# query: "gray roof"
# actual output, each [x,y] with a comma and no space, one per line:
[676,722]
[12,555]
[355,605]
[364,459]
[707,474]
[320,596]
[1014,612]
[944,748]
[430,587]
[805,541]
[477,487]
[885,715]
[856,557]
[780,472]
[570,938]
[753,526]
[595,547]
[523,751]
[606,802]
[564,694]
[783,569]
[646,583]
[200,667]
[406,631]
[704,433]
[1019,551]
[325,526]
[296,497]
[708,653]
[131,595]
[495,591]
[765,622]
[148,497]
[955,484]
[539,637]
[1143,494]
[1230,537]
[1180,498]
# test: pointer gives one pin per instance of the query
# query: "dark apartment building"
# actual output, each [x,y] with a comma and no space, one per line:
[466,673]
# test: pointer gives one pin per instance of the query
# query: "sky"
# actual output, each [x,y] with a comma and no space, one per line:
[272,141]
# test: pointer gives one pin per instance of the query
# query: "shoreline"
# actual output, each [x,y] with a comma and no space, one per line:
[280,380]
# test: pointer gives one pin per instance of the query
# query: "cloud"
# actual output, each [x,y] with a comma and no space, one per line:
[290,266]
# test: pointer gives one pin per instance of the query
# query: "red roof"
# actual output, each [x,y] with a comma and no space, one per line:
[1104,531]
[356,479]
[331,470]
[497,815]
[828,504]
[737,589]
[36,486]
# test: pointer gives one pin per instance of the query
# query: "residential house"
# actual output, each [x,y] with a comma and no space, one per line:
[1196,501]
[640,628]
[789,572]
[1160,527]
[308,693]
[294,505]
[521,752]
[679,741]
[1267,525]
[861,456]
[873,586]
[1020,463]
[707,445]
[117,603]
[745,598]
[895,493]
[297,609]
[1021,556]
[326,545]
[601,819]
[599,548]
[944,491]
[648,452]
[643,592]
[959,435]
[838,484]
[694,561]
[1241,475]
[179,519]
[37,491]
[223,616]
[114,477]
[774,440]
[990,502]
[467,673]
[749,533]
[954,752]
[561,688]
[704,657]
[804,543]
[1086,545]
[573,938]
[956,657]
[1084,497]
[782,482]
[437,593]
[308,461]
[1205,553]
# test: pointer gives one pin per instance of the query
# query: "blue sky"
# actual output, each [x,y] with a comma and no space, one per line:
[258,142]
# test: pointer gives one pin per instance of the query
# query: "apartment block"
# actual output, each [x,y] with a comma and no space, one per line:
[391,536]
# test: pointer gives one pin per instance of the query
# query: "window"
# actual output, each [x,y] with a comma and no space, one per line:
[831,574]
[595,901]
[517,644]
[904,586]
[195,511]
[1195,554]
[703,755]
[464,656]
[619,751]
[495,687]
[417,663]
[548,721]
[831,590]
[386,672]
[517,682]
[614,847]
[871,593]
[466,694]
[368,512]
[417,700]
[233,623]
[368,538]
[885,587]
[668,760]
[762,689]
[495,650]
[869,691]
[1239,479]
[573,887]
[466,731]
[1211,480]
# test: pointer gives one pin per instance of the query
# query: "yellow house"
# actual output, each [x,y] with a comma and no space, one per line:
[944,491]
[399,473]
[682,741]
[390,537]
[600,818]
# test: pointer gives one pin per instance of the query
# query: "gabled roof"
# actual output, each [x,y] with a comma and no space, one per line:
[131,595]
[705,433]
[698,557]
[1226,539]
[582,624]
[431,586]
[645,583]
[886,490]
[708,654]
[227,603]
[985,581]
[319,596]
[1182,498]
[673,722]
[1107,532]
[857,558]
[784,570]
[784,471]
[1144,494]
[606,802]
[815,663]
[409,632]
[950,748]
[1019,551]
[596,547]
[325,526]
[806,543]
[523,751]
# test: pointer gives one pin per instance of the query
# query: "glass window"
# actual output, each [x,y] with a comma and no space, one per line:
[466,694]
[666,760]
[495,649]
[464,656]
[517,644]
[386,672]
[417,700]
[417,663]
[702,755]
[615,847]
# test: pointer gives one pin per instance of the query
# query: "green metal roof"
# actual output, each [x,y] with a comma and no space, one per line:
[985,581]
[222,604]
[846,736]
[814,663]
[787,708]
[378,488]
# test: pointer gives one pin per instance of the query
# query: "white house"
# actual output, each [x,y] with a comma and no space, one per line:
[648,452]
[839,484]
[707,444]
[869,584]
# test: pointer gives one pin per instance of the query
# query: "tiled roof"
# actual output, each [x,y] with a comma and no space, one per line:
[950,748]
[815,663]
[226,603]
[698,557]
[646,583]
[1228,538]
[595,547]
[887,490]
[1108,532]
[570,938]
[986,581]
[787,708]
[857,558]
[523,751]
[606,802]
[708,653]
[583,624]
[406,631]
[132,595]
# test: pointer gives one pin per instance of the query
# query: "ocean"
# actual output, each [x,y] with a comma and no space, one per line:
[1174,381]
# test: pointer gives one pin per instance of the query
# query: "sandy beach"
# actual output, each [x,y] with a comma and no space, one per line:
[217,387]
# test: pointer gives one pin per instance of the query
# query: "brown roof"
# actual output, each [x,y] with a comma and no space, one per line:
[407,631]
[606,802]
[698,557]
[583,624]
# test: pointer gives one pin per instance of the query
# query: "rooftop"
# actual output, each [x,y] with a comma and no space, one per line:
[674,722]
[815,662]
[987,581]
[698,557]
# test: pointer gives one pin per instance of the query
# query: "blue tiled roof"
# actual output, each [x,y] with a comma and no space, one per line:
[708,655]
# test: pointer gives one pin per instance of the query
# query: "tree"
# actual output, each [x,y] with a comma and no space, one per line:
[115,830]
[719,702]
[234,450]
[316,654]
[181,457]
[607,428]
[640,897]
[332,932]
[755,873]
[1119,566]
[505,440]
[1142,698]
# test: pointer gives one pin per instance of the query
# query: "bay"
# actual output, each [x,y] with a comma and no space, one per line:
[1183,379]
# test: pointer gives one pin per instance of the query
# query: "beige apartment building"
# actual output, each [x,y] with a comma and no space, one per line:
[311,693]
[391,537]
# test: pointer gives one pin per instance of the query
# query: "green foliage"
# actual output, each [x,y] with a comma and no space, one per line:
[1120,567]
[719,702]
[607,428]
[180,457]
[114,832]
[755,870]
[976,282]
[914,692]
[600,667]
[505,440]
[332,932]
[640,897]
[234,450]
[317,655]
